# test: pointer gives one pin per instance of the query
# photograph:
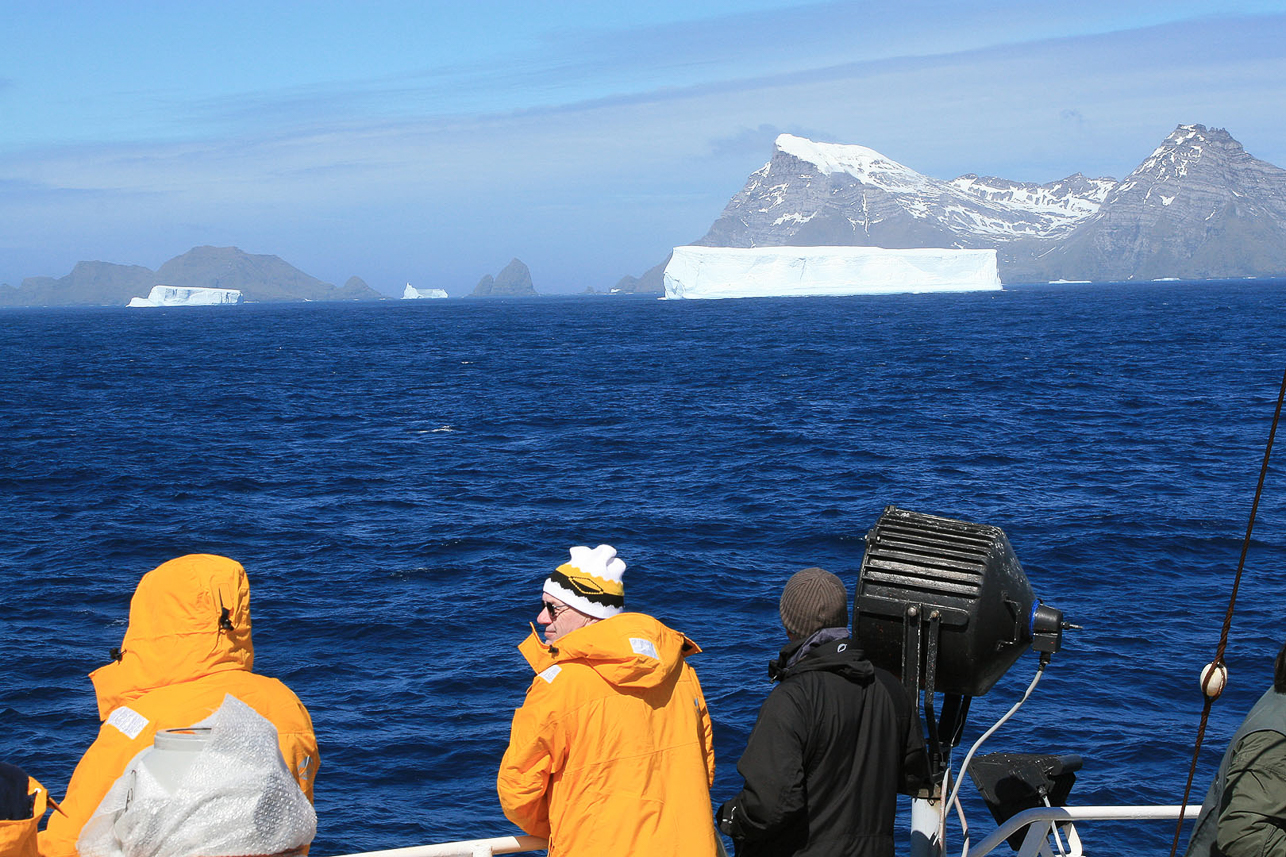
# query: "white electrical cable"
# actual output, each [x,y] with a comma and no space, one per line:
[964,830]
[1010,713]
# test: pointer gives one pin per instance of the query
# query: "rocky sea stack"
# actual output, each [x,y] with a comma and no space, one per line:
[513,282]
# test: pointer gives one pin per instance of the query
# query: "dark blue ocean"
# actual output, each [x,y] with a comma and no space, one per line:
[399,478]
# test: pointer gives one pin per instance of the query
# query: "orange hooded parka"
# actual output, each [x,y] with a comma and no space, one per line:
[612,751]
[187,646]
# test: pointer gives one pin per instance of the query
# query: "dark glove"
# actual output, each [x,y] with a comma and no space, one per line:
[723,818]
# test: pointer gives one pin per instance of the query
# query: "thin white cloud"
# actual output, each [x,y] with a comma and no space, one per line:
[572,67]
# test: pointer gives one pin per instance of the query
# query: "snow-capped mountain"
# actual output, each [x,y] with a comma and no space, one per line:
[828,193]
[1199,206]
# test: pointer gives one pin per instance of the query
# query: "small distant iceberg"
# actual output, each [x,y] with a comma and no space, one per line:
[413,294]
[188,296]
[734,272]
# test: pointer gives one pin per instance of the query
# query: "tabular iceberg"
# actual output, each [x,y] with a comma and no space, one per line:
[187,296]
[410,293]
[736,272]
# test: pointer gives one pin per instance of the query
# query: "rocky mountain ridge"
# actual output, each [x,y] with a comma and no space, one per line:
[827,193]
[258,277]
[1198,207]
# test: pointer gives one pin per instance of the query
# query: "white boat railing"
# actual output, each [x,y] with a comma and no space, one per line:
[1060,823]
[466,848]
[1042,823]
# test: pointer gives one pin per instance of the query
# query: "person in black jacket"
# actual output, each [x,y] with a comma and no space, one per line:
[834,743]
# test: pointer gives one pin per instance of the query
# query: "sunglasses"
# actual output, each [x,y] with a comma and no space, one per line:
[553,609]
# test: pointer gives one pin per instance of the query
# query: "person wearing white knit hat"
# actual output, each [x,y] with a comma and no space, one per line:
[581,591]
[612,751]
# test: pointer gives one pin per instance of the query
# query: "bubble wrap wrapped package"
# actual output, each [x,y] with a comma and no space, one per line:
[236,798]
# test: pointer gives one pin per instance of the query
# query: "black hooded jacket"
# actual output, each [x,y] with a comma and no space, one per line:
[834,743]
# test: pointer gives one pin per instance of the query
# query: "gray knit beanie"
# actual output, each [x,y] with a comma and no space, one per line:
[813,599]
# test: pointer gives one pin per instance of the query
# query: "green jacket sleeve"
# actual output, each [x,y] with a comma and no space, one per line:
[1252,815]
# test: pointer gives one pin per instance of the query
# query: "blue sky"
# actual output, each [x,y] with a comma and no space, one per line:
[432,142]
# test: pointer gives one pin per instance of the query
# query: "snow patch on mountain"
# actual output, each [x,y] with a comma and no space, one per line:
[866,165]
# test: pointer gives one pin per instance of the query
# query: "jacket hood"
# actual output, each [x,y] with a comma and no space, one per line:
[844,657]
[189,617]
[627,650]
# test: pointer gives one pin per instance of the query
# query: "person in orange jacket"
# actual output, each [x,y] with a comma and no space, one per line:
[187,647]
[22,804]
[612,751]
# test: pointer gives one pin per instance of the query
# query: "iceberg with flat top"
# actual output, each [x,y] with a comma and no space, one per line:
[411,293]
[187,296]
[739,272]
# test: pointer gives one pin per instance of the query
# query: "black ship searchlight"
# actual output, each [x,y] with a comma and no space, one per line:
[945,606]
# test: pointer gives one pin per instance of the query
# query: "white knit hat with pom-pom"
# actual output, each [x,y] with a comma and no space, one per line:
[590,581]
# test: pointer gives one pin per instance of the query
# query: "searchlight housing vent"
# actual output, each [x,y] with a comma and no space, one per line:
[945,605]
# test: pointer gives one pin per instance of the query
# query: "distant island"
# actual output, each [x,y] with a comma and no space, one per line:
[512,282]
[1198,207]
[258,278]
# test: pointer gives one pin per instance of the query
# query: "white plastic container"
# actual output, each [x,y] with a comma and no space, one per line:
[173,751]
